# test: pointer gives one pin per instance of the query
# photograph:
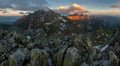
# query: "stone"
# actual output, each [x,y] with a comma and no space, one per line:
[60,56]
[1,49]
[19,57]
[72,57]
[4,63]
[39,58]
[84,64]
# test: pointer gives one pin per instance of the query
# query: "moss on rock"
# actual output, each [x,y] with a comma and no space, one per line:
[38,58]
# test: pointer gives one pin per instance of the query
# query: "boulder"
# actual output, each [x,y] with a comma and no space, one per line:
[19,57]
[39,58]
[72,57]
[60,56]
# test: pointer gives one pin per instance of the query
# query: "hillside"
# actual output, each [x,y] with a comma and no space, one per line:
[48,39]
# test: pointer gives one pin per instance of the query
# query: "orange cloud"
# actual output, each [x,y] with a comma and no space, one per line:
[74,9]
[78,7]
[63,8]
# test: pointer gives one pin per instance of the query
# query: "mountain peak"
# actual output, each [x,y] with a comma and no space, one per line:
[36,19]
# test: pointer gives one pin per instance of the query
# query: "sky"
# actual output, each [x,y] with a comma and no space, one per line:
[21,7]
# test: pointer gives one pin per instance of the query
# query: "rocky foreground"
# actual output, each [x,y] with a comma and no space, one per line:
[36,41]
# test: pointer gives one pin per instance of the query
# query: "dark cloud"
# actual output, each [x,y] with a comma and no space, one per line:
[25,13]
[30,5]
[28,12]
[21,13]
[116,6]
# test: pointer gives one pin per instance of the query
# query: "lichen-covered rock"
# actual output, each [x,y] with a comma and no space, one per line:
[28,64]
[79,43]
[11,40]
[13,62]
[19,57]
[84,64]
[39,57]
[4,63]
[72,57]
[1,49]
[60,55]
[114,61]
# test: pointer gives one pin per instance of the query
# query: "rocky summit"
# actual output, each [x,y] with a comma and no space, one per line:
[45,38]
[37,19]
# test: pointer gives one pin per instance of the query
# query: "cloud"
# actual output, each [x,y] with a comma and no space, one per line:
[4,11]
[28,12]
[30,5]
[21,13]
[25,12]
[74,9]
[116,6]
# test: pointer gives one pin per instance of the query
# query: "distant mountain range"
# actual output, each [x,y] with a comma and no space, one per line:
[111,20]
[8,19]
